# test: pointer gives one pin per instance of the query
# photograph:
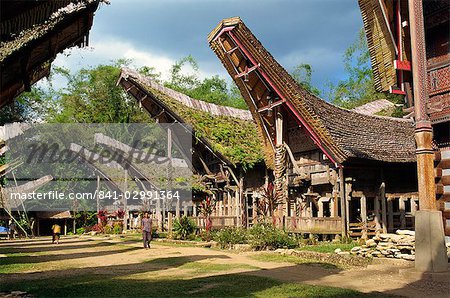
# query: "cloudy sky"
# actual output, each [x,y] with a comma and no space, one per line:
[159,32]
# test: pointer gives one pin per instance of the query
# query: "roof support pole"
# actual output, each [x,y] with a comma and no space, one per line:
[424,132]
[343,201]
[431,254]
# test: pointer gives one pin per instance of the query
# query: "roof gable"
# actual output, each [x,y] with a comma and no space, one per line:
[340,133]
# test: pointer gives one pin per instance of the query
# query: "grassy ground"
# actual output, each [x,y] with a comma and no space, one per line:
[328,247]
[230,285]
[82,267]
[278,258]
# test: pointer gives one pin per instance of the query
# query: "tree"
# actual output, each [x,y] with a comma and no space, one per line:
[28,107]
[358,88]
[211,89]
[92,96]
[302,74]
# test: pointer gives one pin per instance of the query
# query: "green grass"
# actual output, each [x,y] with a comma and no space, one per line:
[206,267]
[173,244]
[16,268]
[232,285]
[328,247]
[279,258]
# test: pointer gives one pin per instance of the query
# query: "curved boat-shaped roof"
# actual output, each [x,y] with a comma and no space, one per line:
[342,134]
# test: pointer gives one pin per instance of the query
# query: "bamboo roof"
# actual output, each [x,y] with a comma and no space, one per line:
[381,47]
[229,131]
[344,134]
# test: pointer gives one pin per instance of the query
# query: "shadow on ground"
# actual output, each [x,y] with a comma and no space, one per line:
[124,280]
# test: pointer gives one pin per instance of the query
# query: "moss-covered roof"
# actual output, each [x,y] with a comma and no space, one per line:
[229,131]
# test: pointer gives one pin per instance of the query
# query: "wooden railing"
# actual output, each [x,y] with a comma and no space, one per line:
[319,225]
[217,221]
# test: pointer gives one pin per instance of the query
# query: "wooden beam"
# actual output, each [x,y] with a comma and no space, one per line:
[271,106]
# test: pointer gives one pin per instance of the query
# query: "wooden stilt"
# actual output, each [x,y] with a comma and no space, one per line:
[390,215]
[401,204]
[383,207]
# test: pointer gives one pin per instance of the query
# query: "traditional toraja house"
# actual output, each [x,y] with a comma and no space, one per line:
[396,32]
[33,33]
[335,170]
[226,153]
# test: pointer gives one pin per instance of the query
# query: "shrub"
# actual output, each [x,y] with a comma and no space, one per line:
[207,236]
[162,235]
[80,231]
[117,228]
[230,236]
[266,236]
[98,228]
[183,228]
[108,229]
[103,216]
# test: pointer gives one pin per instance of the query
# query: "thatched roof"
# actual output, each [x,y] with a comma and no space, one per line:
[33,33]
[229,131]
[54,214]
[343,134]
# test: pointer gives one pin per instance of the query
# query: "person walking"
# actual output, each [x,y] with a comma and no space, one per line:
[56,229]
[146,226]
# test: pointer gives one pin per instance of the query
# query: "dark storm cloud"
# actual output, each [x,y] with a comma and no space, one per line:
[303,31]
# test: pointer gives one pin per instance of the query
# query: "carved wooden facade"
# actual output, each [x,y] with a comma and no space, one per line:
[338,171]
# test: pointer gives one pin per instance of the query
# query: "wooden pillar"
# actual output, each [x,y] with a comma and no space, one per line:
[320,211]
[185,209]
[194,209]
[158,213]
[377,213]
[383,207]
[169,222]
[220,206]
[254,209]
[333,207]
[401,204]
[236,206]
[177,209]
[390,211]
[424,131]
[65,226]
[343,201]
[364,212]
[125,201]
[98,198]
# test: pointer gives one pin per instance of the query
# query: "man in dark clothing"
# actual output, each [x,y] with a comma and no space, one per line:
[146,230]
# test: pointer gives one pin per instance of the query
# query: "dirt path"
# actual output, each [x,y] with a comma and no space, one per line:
[115,257]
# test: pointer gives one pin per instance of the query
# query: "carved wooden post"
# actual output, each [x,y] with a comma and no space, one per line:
[431,254]
[424,132]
